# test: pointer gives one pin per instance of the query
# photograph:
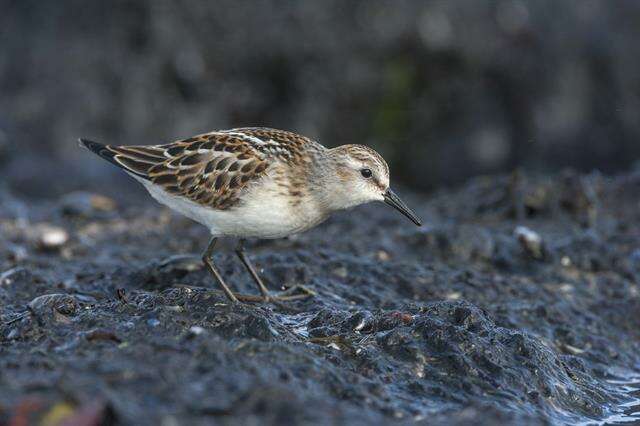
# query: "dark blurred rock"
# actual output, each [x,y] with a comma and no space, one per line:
[446,90]
[53,307]
[86,204]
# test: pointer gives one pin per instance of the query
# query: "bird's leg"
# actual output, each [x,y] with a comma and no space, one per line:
[206,258]
[247,264]
[266,297]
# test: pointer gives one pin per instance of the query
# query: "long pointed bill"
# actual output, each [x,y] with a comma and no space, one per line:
[394,201]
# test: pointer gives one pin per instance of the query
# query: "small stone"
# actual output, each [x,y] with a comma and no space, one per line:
[383,256]
[531,241]
[62,303]
[454,295]
[54,308]
[86,204]
[102,203]
[52,237]
[196,330]
[341,272]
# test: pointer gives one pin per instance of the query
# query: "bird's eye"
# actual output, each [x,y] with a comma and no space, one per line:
[366,173]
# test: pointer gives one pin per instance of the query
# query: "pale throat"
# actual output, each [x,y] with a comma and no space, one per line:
[331,192]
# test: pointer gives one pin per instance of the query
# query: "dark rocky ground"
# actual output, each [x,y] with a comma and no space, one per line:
[469,319]
[518,303]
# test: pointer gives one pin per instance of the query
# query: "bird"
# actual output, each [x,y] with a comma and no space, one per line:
[255,182]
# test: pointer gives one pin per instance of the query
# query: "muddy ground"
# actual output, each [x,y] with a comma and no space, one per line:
[518,302]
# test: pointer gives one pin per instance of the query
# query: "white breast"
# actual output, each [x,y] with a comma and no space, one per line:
[264,213]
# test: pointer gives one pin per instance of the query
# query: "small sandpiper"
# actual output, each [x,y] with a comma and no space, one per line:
[255,183]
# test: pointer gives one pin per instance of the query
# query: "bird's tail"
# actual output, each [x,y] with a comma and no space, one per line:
[99,149]
[131,159]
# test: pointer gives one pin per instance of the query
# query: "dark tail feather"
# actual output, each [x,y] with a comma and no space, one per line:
[104,152]
[99,149]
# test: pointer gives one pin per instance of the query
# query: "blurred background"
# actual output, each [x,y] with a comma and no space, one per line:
[445,90]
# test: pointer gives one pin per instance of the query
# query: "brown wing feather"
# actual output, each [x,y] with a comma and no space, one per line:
[211,169]
[287,146]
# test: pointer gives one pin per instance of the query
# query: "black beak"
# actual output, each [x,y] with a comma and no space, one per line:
[394,201]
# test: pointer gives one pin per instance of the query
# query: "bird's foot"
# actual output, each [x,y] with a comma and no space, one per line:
[297,292]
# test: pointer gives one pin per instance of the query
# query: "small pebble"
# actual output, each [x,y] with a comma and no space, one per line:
[531,241]
[52,237]
[64,304]
[86,204]
[383,256]
[102,203]
[454,295]
[341,272]
[196,330]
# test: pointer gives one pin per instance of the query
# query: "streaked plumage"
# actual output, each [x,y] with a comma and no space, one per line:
[255,182]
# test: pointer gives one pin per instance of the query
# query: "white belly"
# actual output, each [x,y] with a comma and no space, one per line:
[263,214]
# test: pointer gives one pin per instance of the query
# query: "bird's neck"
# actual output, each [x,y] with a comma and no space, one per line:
[326,186]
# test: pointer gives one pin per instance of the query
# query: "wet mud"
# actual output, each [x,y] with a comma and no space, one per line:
[516,303]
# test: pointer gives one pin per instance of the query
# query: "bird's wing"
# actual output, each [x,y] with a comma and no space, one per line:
[214,168]
[286,146]
[210,169]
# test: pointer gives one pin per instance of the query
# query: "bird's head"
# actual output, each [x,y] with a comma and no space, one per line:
[360,176]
